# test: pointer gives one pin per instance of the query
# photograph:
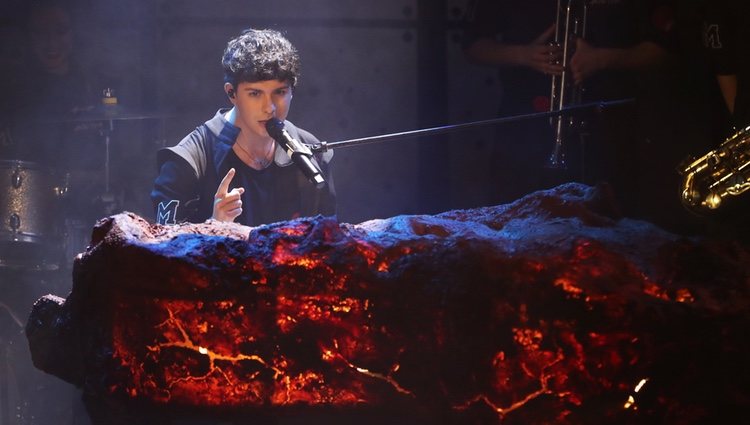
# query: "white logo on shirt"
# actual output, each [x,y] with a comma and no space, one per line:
[711,36]
[167,212]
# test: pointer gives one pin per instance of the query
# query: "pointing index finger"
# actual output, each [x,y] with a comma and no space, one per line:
[224,185]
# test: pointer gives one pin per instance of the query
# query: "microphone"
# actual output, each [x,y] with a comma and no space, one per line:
[299,152]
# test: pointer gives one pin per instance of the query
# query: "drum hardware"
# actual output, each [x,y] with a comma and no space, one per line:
[104,115]
[105,112]
[16,179]
[108,112]
[109,101]
[570,24]
[15,220]
[33,232]
[62,190]
[28,233]
[15,224]
[717,175]
[106,133]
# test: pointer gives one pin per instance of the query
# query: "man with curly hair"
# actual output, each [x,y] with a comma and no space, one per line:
[230,168]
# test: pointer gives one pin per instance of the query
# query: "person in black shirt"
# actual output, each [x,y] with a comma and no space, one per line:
[230,169]
[623,38]
[726,37]
[726,40]
[49,89]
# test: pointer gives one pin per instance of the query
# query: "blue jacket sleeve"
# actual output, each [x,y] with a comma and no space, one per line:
[174,195]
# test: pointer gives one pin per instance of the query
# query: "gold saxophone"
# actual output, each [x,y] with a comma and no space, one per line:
[722,172]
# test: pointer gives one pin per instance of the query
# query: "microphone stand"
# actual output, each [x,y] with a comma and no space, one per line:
[601,105]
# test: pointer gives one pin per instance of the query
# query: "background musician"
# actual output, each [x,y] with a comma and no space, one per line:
[624,38]
[726,37]
[44,84]
[50,98]
[726,40]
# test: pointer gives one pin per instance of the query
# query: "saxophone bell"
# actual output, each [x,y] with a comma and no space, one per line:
[718,175]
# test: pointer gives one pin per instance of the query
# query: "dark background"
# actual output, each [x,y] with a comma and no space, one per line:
[368,68]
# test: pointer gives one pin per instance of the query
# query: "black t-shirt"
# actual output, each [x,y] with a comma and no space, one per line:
[726,36]
[268,197]
[189,175]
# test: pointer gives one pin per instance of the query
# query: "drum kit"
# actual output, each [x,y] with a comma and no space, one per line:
[33,235]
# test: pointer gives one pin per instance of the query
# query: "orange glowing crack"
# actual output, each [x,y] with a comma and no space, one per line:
[684,296]
[631,398]
[528,338]
[293,391]
[283,254]
[293,231]
[316,308]
[368,252]
[681,295]
[656,291]
[503,411]
[213,357]
[568,286]
[328,355]
[383,267]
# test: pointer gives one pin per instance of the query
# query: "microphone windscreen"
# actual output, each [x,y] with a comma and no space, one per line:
[274,127]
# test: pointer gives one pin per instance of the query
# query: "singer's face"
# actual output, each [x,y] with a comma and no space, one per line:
[259,101]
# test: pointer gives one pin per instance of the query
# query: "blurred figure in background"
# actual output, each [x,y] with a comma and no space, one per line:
[53,85]
[726,39]
[680,115]
[624,38]
[514,37]
[42,85]
[50,103]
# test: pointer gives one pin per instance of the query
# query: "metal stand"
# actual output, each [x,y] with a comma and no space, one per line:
[4,383]
[10,414]
[324,146]
[108,198]
[107,140]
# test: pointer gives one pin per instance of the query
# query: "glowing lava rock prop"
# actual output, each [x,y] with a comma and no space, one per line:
[546,310]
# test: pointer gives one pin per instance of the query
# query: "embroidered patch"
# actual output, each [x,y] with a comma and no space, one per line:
[167,212]
[711,36]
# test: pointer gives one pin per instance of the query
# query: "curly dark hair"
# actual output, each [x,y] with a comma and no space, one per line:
[260,55]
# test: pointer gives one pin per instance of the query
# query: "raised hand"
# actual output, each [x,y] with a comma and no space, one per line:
[227,204]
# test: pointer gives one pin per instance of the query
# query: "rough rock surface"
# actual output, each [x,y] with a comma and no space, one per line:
[550,309]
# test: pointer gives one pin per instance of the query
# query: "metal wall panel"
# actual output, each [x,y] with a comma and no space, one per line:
[357,83]
[299,10]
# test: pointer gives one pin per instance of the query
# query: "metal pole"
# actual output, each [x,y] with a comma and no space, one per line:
[324,146]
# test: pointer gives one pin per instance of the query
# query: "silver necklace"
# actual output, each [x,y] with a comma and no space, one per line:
[258,164]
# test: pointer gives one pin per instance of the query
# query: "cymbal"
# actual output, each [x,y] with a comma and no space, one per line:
[106,113]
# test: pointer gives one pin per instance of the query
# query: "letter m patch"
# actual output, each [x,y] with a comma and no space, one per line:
[167,212]
[711,36]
